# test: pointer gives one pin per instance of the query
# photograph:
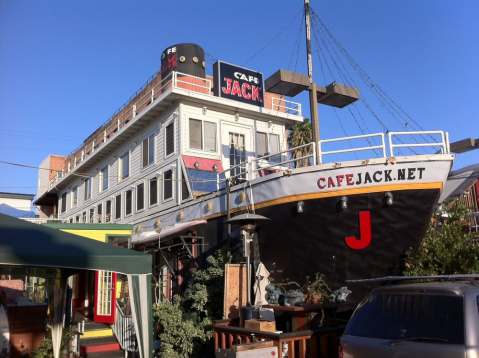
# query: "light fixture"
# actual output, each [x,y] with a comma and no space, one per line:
[300,207]
[343,203]
[204,110]
[388,198]
[215,168]
[236,116]
[195,59]
[270,124]
[182,59]
[196,165]
[181,216]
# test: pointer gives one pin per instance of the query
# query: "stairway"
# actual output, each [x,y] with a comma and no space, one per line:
[98,341]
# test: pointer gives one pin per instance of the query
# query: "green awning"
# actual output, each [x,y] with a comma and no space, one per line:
[24,243]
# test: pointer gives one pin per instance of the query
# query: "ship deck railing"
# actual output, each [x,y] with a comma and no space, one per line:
[155,89]
[337,150]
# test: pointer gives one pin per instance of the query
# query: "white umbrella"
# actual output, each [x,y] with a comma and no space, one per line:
[260,284]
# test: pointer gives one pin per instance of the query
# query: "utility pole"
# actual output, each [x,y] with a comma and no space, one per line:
[313,101]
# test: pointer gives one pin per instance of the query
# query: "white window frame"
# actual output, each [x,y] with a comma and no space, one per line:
[132,202]
[63,202]
[120,165]
[268,146]
[121,206]
[112,206]
[158,190]
[173,187]
[202,150]
[72,201]
[99,217]
[89,180]
[136,196]
[147,138]
[167,123]
[100,179]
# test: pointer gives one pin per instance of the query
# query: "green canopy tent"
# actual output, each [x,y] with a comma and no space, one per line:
[54,254]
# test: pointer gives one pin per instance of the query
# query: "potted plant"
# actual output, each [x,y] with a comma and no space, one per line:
[316,290]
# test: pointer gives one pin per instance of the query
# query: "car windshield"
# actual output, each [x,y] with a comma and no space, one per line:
[413,317]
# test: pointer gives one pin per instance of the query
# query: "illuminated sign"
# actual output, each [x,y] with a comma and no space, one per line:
[238,83]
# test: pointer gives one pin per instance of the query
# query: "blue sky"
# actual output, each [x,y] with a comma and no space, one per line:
[66,66]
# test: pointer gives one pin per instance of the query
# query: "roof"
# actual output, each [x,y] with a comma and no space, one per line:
[23,244]
[448,287]
[459,181]
[16,196]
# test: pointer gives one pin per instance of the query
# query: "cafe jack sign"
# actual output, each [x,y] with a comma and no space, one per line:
[238,83]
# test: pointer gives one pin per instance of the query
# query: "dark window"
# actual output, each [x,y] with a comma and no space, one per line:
[153,191]
[149,150]
[108,211]
[64,202]
[92,216]
[438,318]
[118,207]
[168,184]
[99,212]
[84,217]
[128,200]
[140,196]
[71,220]
[75,196]
[170,138]
[77,219]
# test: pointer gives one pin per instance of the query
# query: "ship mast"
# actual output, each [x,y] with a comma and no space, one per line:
[313,102]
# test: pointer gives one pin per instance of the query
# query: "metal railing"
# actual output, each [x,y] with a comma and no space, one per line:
[124,330]
[282,105]
[305,155]
[443,145]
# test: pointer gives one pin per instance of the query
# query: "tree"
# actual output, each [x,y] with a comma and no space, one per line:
[448,247]
[301,134]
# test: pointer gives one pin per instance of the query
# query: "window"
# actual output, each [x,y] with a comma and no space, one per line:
[267,144]
[185,193]
[70,221]
[118,207]
[167,184]
[99,213]
[108,211]
[406,315]
[92,216]
[170,139]
[64,202]
[74,196]
[140,196]
[87,188]
[148,150]
[202,135]
[77,218]
[104,179]
[124,166]
[83,217]
[153,191]
[128,202]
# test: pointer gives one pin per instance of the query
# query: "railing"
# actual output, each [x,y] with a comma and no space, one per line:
[281,105]
[293,344]
[442,146]
[124,330]
[305,155]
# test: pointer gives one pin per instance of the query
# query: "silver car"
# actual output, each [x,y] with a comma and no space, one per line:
[434,319]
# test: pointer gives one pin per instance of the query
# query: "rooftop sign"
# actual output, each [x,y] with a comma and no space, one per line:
[238,83]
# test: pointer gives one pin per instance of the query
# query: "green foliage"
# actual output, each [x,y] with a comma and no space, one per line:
[176,334]
[448,247]
[45,350]
[184,325]
[301,133]
[317,286]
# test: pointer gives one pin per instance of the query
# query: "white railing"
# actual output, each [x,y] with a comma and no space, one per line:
[282,105]
[442,146]
[367,137]
[124,330]
[305,155]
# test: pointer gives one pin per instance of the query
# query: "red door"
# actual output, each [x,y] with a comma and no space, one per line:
[105,296]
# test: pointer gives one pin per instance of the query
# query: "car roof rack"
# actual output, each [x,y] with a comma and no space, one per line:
[399,279]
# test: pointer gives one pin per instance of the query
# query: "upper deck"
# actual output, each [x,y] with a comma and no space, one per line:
[155,97]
